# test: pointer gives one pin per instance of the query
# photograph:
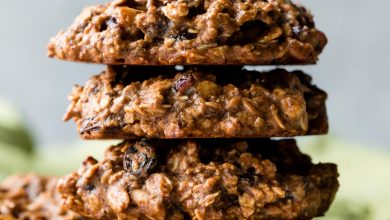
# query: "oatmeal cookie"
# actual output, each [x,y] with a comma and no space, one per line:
[198,102]
[32,197]
[201,179]
[172,32]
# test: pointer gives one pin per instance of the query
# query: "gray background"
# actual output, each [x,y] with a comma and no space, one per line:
[353,68]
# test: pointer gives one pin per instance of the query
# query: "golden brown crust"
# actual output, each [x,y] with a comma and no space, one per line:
[199,102]
[172,32]
[33,198]
[202,179]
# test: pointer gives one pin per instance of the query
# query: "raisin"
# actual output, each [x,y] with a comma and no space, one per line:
[140,159]
[111,22]
[304,19]
[89,187]
[289,195]
[183,83]
[103,27]
[195,11]
[249,32]
[132,4]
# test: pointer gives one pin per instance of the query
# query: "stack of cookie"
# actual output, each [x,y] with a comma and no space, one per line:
[196,123]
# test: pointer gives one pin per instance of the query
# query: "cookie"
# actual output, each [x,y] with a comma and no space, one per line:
[201,179]
[197,102]
[32,197]
[179,32]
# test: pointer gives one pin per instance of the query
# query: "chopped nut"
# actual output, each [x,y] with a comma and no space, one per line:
[209,199]
[175,10]
[271,35]
[304,122]
[259,122]
[118,198]
[249,106]
[213,105]
[116,177]
[276,118]
[207,88]
[234,103]
[125,15]
[247,204]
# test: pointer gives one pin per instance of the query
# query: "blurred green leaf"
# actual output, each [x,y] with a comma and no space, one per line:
[18,138]
[347,209]
[13,131]
[13,160]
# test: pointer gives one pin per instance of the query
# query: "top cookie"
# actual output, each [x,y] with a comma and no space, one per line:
[184,32]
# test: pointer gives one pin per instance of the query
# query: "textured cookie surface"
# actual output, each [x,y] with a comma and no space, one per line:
[167,32]
[31,197]
[126,103]
[202,179]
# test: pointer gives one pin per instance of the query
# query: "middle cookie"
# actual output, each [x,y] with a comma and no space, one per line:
[197,102]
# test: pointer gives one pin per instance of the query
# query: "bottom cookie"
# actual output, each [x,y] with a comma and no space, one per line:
[201,179]
[31,197]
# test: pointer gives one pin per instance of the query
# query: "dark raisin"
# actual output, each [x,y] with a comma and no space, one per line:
[111,22]
[103,27]
[289,195]
[231,200]
[249,179]
[304,19]
[132,4]
[249,32]
[95,90]
[157,31]
[132,150]
[132,35]
[251,170]
[89,187]
[140,159]
[183,83]
[195,11]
